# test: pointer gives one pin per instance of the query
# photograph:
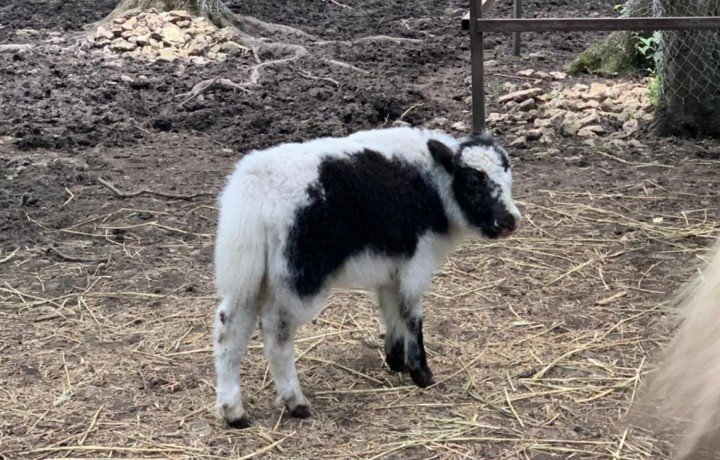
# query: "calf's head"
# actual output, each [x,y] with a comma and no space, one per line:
[481,183]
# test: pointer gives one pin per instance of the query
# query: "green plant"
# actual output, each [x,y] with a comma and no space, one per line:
[650,50]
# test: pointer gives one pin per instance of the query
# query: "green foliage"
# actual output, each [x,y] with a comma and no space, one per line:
[649,49]
[654,89]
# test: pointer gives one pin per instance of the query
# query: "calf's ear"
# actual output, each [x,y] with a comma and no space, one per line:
[442,154]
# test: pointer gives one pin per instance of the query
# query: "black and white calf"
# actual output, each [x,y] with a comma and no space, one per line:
[378,209]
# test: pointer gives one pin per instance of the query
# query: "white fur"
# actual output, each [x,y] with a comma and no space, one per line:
[256,212]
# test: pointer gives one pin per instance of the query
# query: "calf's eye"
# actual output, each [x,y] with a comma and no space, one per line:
[477,180]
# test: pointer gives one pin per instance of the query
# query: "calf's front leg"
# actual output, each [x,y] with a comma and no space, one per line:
[415,359]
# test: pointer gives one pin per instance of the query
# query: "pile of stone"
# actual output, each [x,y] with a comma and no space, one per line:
[589,112]
[151,35]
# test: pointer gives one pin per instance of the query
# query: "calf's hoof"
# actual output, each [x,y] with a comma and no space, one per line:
[300,411]
[239,423]
[395,355]
[422,377]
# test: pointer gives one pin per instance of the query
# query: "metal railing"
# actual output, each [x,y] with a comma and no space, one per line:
[478,26]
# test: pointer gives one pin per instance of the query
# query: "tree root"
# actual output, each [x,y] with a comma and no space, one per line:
[372,39]
[310,76]
[15,48]
[212,83]
[345,65]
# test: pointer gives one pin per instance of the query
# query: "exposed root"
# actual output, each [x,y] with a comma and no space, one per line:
[205,85]
[345,65]
[310,76]
[256,27]
[342,5]
[372,39]
[70,258]
[15,48]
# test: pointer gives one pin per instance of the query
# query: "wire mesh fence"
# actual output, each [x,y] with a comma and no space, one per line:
[687,62]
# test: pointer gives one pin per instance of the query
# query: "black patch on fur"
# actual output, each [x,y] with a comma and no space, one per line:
[362,202]
[282,331]
[222,317]
[484,140]
[415,356]
[301,411]
[474,192]
[477,140]
[504,159]
[442,154]
[395,353]
[239,423]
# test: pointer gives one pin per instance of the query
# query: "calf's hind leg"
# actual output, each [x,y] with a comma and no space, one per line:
[278,327]
[234,325]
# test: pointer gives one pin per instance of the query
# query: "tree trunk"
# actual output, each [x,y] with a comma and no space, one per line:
[214,10]
[690,74]
[617,54]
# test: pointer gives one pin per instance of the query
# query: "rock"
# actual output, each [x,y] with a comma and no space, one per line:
[542,75]
[598,91]
[141,40]
[591,117]
[180,14]
[439,122]
[172,34]
[126,78]
[130,23]
[526,73]
[590,104]
[116,30]
[233,48]
[509,87]
[494,118]
[183,24]
[103,32]
[491,63]
[570,125]
[610,106]
[543,122]
[591,131]
[526,105]
[622,117]
[166,54]
[519,143]
[141,82]
[532,134]
[518,96]
[156,44]
[630,127]
[224,34]
[199,61]
[459,126]
[558,75]
[636,144]
[121,45]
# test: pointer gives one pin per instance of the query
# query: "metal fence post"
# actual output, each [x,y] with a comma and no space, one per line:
[517,41]
[477,67]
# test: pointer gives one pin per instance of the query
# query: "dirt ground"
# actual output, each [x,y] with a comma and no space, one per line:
[538,342]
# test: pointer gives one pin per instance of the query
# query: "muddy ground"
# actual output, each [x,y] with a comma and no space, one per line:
[538,342]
